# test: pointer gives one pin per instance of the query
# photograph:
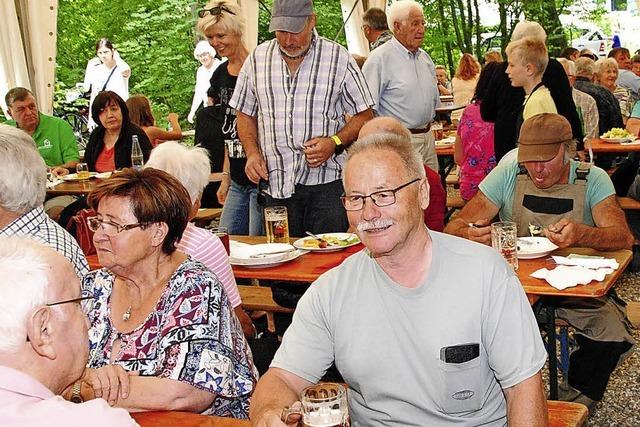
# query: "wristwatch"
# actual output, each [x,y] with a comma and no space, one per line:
[339,145]
[76,397]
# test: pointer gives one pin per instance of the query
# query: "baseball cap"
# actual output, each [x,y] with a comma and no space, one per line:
[290,15]
[541,136]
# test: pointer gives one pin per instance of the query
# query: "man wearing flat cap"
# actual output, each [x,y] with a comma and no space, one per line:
[575,205]
[292,98]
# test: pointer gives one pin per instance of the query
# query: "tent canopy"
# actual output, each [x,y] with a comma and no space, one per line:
[29,33]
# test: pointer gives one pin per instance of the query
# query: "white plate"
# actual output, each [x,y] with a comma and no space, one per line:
[74,176]
[103,175]
[342,236]
[618,140]
[241,254]
[534,247]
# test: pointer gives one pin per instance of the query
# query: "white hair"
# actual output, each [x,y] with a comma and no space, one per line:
[568,65]
[23,288]
[529,29]
[389,142]
[603,64]
[190,166]
[399,11]
[203,46]
[23,175]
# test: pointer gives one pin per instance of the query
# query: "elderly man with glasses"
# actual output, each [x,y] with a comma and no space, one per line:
[375,315]
[23,178]
[43,344]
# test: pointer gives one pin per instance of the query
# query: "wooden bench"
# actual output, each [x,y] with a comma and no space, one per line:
[260,298]
[205,216]
[566,414]
[628,204]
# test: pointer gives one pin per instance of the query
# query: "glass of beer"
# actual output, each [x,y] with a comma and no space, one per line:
[504,239]
[438,130]
[223,235]
[82,171]
[277,225]
[323,405]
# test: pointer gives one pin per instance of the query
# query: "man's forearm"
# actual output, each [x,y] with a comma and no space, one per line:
[248,132]
[349,132]
[605,238]
[273,393]
[527,404]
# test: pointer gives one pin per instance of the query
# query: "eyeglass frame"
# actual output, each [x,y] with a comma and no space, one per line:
[393,191]
[87,297]
[119,228]
[68,301]
[214,11]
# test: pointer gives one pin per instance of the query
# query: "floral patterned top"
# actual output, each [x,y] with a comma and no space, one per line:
[478,158]
[192,336]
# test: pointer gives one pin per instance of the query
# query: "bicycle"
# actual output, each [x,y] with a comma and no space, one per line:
[72,106]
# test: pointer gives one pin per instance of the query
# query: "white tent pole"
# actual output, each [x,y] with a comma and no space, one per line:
[250,9]
[356,41]
[13,64]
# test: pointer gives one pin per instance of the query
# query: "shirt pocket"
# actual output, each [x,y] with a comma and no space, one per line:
[460,388]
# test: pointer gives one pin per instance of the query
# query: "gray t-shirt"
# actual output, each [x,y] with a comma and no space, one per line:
[386,340]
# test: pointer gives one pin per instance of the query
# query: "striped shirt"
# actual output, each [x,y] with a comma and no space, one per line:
[38,225]
[207,248]
[292,109]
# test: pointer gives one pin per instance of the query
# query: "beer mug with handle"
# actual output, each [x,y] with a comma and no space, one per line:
[322,405]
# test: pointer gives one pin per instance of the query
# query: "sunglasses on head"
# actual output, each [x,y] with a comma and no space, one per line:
[214,11]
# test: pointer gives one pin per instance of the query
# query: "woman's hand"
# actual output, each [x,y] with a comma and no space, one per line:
[107,382]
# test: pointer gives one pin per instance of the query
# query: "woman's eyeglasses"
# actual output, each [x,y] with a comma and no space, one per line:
[214,11]
[110,228]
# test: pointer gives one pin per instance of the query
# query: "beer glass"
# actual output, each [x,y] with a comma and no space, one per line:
[323,405]
[223,235]
[82,171]
[504,239]
[277,225]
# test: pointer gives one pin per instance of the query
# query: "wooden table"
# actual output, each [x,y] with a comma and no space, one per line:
[445,149]
[304,269]
[185,419]
[547,305]
[73,188]
[599,146]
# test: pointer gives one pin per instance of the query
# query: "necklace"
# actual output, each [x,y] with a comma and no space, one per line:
[127,314]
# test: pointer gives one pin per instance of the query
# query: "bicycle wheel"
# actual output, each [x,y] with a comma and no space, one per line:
[80,128]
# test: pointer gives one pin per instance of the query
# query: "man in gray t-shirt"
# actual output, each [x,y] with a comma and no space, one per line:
[425,328]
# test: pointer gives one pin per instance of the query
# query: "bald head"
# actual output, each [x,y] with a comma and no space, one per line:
[384,125]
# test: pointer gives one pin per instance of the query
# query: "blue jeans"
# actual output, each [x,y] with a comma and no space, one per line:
[241,213]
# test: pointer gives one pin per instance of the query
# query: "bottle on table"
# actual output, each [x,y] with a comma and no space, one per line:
[137,161]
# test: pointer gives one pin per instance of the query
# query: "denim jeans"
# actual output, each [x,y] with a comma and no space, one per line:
[241,213]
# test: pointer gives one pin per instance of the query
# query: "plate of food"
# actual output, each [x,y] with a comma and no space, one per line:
[328,242]
[617,135]
[74,177]
[534,247]
[262,255]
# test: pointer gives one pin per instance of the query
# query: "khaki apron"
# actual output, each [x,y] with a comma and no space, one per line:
[600,319]
[543,207]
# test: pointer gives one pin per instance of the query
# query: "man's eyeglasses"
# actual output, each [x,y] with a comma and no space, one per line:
[380,198]
[86,302]
[214,11]
[110,228]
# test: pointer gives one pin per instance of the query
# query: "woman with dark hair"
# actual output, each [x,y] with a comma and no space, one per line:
[140,114]
[106,71]
[109,146]
[163,334]
[474,150]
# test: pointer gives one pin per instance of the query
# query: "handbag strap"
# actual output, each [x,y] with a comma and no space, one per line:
[108,78]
